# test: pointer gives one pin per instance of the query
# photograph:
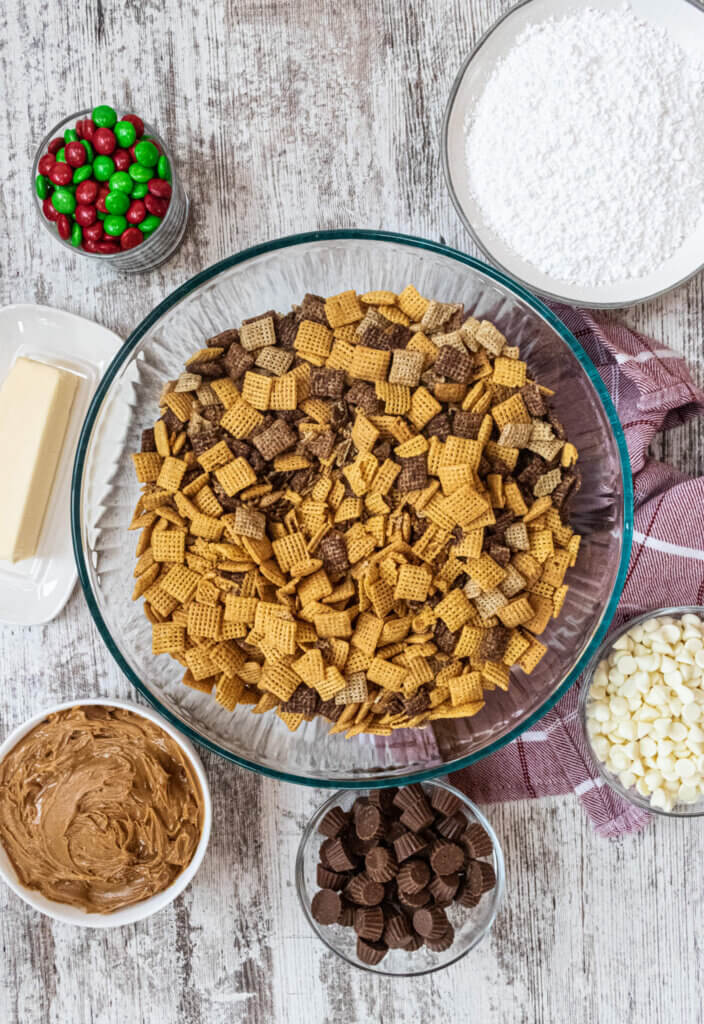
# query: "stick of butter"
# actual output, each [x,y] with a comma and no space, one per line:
[35,403]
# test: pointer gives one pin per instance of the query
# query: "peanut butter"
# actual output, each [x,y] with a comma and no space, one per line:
[99,808]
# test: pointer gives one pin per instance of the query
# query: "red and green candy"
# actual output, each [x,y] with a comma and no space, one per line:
[104,184]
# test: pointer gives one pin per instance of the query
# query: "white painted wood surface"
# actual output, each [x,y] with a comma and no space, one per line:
[290,116]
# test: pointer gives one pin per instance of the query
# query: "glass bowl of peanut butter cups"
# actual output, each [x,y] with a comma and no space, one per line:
[403,881]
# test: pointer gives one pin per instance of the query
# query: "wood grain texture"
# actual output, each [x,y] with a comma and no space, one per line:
[288,117]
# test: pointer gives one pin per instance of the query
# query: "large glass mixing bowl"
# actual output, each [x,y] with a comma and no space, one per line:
[276,275]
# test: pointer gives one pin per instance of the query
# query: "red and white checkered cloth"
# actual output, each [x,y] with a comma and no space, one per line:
[652,391]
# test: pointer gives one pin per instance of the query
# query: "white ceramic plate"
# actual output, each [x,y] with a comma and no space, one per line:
[684,19]
[35,590]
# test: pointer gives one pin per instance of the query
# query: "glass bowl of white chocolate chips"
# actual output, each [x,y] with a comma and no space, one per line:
[642,708]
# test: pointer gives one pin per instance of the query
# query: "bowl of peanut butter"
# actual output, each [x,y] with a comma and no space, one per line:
[105,812]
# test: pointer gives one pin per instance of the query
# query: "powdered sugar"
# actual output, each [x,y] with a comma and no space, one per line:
[585,150]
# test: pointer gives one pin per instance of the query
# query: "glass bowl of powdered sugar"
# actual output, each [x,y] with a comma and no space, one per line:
[573,147]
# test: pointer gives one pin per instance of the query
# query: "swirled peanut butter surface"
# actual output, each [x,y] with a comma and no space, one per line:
[99,808]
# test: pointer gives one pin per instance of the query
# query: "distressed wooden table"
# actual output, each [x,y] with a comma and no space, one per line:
[288,117]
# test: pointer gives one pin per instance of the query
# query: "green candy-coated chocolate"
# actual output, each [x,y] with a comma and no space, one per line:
[102,216]
[149,224]
[163,167]
[104,116]
[117,202]
[120,181]
[61,155]
[70,135]
[125,133]
[146,153]
[138,172]
[76,235]
[114,224]
[42,185]
[140,190]
[103,168]
[89,150]
[63,201]
[82,174]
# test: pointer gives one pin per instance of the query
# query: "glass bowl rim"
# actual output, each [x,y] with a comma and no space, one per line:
[351,234]
[484,249]
[612,781]
[498,890]
[104,257]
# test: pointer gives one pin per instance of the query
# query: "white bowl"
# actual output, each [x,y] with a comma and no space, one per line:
[684,19]
[137,911]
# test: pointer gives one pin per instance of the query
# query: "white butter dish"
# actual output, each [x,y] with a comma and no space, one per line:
[34,590]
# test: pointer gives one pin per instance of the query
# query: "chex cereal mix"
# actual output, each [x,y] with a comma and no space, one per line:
[357,510]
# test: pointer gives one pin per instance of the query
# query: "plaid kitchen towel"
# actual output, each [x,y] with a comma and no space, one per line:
[652,391]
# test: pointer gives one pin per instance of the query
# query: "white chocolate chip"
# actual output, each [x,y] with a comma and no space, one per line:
[645,710]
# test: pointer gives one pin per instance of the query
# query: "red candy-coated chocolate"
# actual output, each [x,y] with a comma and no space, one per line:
[55,145]
[122,159]
[130,237]
[88,129]
[104,141]
[137,122]
[61,174]
[85,215]
[76,154]
[49,212]
[108,248]
[64,226]
[87,191]
[89,245]
[156,206]
[132,152]
[159,188]
[79,129]
[101,203]
[94,233]
[137,212]
[46,163]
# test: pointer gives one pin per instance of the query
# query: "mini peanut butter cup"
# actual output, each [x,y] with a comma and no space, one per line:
[369,823]
[415,943]
[430,922]
[408,794]
[380,864]
[418,816]
[446,857]
[471,889]
[443,943]
[371,953]
[477,841]
[328,879]
[413,876]
[408,844]
[452,827]
[414,900]
[443,889]
[334,822]
[337,856]
[446,803]
[383,798]
[347,914]
[488,875]
[326,906]
[364,891]
[397,930]
[369,923]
